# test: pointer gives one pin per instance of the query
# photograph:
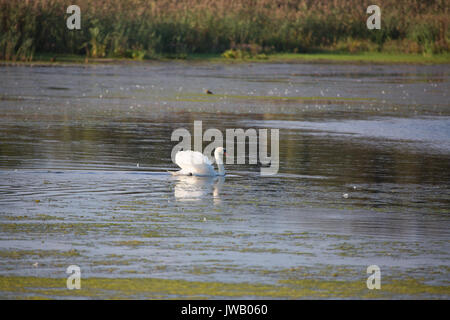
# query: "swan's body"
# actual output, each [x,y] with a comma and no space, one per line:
[194,163]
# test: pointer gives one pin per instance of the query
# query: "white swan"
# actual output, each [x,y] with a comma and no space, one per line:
[194,163]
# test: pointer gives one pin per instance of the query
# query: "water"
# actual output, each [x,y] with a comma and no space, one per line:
[364,173]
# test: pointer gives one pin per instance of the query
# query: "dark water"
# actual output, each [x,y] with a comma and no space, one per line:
[364,173]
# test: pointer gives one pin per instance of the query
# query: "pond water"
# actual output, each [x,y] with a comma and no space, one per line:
[364,173]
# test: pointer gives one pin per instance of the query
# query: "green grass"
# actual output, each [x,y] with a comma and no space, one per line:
[366,57]
[373,57]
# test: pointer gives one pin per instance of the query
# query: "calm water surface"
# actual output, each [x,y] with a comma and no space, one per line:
[364,172]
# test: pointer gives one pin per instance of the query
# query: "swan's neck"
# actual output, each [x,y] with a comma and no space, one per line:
[220,166]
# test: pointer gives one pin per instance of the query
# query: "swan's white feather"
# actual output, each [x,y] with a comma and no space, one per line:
[195,163]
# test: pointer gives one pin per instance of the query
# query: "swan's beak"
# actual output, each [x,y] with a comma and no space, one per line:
[224,153]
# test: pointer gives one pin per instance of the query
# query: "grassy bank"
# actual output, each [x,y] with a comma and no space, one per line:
[240,29]
[361,58]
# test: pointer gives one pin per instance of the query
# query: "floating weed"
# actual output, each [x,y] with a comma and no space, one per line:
[201,270]
[265,250]
[104,288]
[115,256]
[151,234]
[110,262]
[21,254]
[45,217]
[130,243]
[345,249]
[338,236]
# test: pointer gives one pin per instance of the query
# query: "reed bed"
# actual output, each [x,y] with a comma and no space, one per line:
[145,29]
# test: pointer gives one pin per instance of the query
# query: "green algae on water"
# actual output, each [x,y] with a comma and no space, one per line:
[154,288]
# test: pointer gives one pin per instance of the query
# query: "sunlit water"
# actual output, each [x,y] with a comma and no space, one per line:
[364,173]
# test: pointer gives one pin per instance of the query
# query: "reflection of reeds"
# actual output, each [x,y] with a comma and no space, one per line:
[142,28]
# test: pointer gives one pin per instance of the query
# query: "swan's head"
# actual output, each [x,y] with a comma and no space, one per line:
[219,153]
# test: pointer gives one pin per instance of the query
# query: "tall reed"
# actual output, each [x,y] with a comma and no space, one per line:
[140,28]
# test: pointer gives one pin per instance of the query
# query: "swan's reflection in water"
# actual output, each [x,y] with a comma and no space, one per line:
[192,188]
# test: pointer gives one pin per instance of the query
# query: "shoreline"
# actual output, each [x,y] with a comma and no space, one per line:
[294,58]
